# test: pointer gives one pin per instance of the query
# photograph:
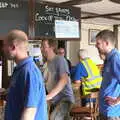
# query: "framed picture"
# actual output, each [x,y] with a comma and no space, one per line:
[92,35]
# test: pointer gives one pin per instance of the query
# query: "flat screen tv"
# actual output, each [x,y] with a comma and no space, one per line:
[67,29]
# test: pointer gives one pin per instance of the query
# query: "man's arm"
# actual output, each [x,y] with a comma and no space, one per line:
[79,73]
[60,85]
[28,114]
[77,81]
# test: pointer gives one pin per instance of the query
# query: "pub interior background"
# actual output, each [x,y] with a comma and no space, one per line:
[92,16]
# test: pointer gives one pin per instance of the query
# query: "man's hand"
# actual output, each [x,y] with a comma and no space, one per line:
[112,100]
[28,114]
[48,97]
[59,86]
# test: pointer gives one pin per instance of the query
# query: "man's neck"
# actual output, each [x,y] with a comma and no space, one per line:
[18,59]
[109,50]
[51,56]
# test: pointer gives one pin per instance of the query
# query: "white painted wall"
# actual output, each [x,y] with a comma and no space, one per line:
[119,38]
[73,46]
[92,51]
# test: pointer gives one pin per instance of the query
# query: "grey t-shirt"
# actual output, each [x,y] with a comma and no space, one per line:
[56,68]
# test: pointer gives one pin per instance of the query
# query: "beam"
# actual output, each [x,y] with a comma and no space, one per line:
[115,29]
[116,1]
[108,17]
[103,15]
[49,3]
[78,2]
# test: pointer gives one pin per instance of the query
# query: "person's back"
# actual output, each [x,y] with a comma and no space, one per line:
[93,80]
[26,96]
[25,76]
[87,74]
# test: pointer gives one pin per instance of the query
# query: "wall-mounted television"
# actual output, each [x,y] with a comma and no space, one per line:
[67,29]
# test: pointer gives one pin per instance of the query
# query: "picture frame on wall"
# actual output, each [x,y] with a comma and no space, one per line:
[91,36]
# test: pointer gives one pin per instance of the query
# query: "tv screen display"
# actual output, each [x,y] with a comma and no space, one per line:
[67,29]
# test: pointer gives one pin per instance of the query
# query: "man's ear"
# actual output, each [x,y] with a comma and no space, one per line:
[12,47]
[107,43]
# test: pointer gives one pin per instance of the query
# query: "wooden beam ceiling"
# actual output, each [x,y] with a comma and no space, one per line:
[78,2]
[116,1]
[91,15]
[49,3]
[94,15]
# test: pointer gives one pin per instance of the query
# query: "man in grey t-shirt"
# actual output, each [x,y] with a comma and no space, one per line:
[58,84]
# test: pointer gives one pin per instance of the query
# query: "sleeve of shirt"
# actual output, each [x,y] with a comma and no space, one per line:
[62,66]
[79,72]
[116,66]
[34,89]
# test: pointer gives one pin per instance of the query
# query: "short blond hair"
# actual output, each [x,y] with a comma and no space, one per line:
[107,35]
[17,36]
[83,53]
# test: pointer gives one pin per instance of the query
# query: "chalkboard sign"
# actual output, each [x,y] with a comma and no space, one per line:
[49,18]
[13,15]
[12,4]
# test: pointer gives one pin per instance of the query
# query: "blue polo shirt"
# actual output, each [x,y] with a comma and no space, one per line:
[26,90]
[79,72]
[110,84]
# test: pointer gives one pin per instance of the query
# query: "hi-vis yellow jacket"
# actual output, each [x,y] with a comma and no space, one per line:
[94,78]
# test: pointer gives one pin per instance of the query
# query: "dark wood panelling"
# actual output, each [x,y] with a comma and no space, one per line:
[94,14]
[102,15]
[116,1]
[78,2]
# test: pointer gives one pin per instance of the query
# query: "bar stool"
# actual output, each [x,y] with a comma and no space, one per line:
[79,113]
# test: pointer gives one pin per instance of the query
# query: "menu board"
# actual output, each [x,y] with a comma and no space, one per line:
[47,17]
[13,15]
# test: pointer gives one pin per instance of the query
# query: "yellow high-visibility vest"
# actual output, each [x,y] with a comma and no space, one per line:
[93,80]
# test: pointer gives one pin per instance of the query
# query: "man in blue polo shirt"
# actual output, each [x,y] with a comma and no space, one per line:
[26,98]
[110,88]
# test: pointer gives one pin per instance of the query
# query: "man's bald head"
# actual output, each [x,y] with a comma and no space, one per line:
[16,45]
[17,36]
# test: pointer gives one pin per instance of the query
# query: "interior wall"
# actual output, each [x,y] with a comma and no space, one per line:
[92,50]
[73,46]
[119,38]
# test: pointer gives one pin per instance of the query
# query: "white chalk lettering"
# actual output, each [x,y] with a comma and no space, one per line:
[14,5]
[3,4]
[38,17]
[69,18]
[58,18]
[49,9]
[62,11]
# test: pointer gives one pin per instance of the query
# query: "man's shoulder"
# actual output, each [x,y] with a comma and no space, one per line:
[79,63]
[31,68]
[59,58]
[115,57]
